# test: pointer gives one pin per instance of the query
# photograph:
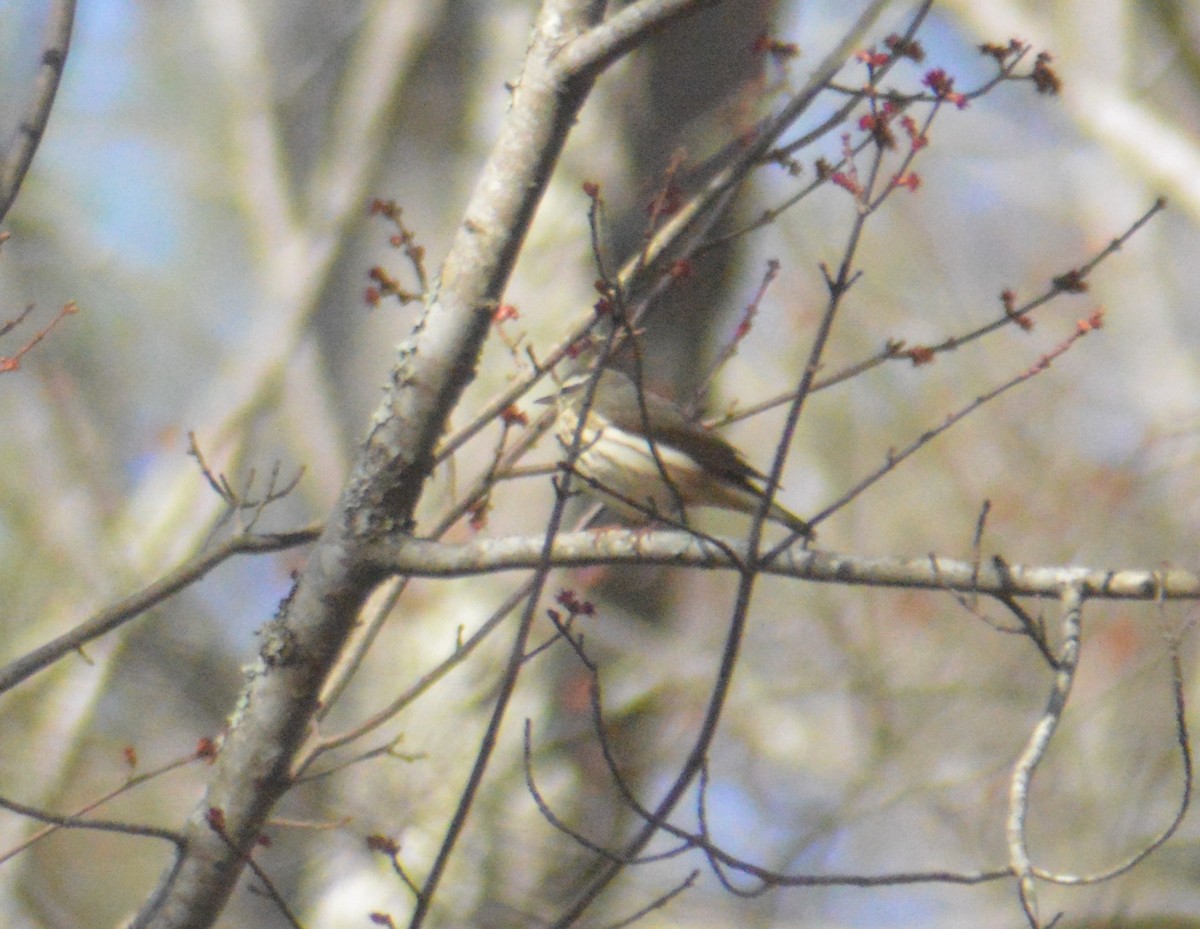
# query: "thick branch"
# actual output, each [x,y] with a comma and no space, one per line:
[302,643]
[421,558]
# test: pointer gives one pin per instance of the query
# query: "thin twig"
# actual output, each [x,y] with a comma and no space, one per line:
[121,612]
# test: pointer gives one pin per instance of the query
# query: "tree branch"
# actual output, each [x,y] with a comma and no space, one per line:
[18,157]
[422,558]
[304,640]
[135,605]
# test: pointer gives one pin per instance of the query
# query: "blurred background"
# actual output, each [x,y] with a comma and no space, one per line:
[202,193]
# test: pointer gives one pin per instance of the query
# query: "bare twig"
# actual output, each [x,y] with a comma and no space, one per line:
[78,819]
[894,457]
[13,362]
[1013,314]
[135,605]
[82,822]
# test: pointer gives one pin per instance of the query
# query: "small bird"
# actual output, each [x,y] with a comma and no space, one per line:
[626,471]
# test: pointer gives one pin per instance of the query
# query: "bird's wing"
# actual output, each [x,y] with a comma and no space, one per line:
[672,428]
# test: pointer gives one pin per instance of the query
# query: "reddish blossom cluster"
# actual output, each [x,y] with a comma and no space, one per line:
[1044,78]
[942,86]
[504,312]
[575,607]
[1002,53]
